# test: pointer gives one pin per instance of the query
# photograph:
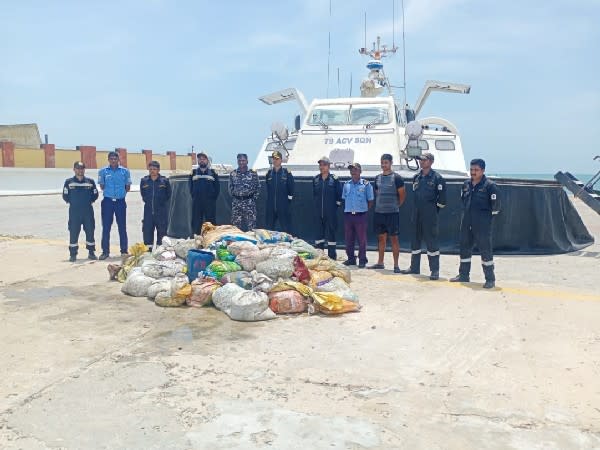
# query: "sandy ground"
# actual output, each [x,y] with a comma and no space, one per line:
[424,365]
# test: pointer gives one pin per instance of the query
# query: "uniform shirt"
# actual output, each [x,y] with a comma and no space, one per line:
[80,193]
[386,193]
[204,183]
[357,195]
[280,187]
[155,193]
[429,189]
[113,181]
[244,185]
[327,194]
[481,198]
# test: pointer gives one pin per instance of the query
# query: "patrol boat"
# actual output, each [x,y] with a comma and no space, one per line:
[349,129]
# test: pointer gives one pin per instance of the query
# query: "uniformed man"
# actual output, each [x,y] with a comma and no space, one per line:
[358,197]
[156,192]
[204,189]
[244,188]
[480,204]
[429,192]
[327,195]
[280,192]
[80,192]
[115,182]
[389,196]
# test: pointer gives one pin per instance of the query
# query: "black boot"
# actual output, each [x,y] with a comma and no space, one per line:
[415,264]
[331,252]
[434,267]
[73,257]
[463,273]
[92,255]
[490,277]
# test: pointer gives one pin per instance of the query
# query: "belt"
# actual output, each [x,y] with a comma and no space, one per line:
[356,213]
[114,199]
[243,197]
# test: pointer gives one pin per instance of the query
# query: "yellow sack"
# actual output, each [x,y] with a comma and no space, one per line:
[296,286]
[330,303]
[135,251]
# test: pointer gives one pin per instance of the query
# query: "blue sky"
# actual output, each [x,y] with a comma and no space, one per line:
[167,75]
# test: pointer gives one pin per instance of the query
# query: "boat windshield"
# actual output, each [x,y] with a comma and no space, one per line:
[272,146]
[370,114]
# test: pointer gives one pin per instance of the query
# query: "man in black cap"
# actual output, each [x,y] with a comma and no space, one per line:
[480,204]
[280,192]
[327,196]
[80,192]
[244,188]
[429,193]
[156,192]
[204,189]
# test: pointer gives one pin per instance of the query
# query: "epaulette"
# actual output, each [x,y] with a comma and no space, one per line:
[252,170]
[289,171]
[365,182]
[334,176]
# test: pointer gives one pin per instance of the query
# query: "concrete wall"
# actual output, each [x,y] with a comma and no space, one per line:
[29,157]
[65,158]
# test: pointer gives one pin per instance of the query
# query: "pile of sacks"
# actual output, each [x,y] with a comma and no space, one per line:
[249,276]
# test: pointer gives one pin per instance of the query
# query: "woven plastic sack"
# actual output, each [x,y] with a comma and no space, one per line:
[182,246]
[276,268]
[287,302]
[160,285]
[295,285]
[223,254]
[202,292]
[330,303]
[223,296]
[251,306]
[163,269]
[217,269]
[338,286]
[242,278]
[319,277]
[301,272]
[261,282]
[271,237]
[211,233]
[137,283]
[235,248]
[301,246]
[180,291]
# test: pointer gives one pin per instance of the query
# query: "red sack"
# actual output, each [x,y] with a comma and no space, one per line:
[287,302]
[301,272]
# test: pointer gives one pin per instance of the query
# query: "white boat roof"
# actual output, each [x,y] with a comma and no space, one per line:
[352,100]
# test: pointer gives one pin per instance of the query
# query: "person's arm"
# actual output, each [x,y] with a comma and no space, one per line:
[191,183]
[494,199]
[127,180]
[255,185]
[101,179]
[230,183]
[65,194]
[441,192]
[338,192]
[168,185]
[370,195]
[400,189]
[94,191]
[290,185]
[217,184]
[142,190]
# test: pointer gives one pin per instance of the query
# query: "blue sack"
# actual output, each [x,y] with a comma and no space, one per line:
[197,261]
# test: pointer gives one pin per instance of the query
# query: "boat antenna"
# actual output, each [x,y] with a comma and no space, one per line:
[350,85]
[393,23]
[339,92]
[403,55]
[365,29]
[328,49]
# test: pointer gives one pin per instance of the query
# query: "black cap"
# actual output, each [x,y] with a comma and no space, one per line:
[78,165]
[355,165]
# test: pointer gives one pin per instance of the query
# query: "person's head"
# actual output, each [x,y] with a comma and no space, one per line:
[202,160]
[154,168]
[242,160]
[113,159]
[386,162]
[324,165]
[79,169]
[355,171]
[425,161]
[477,169]
[276,158]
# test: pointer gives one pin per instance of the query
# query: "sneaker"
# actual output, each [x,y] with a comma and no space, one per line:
[92,256]
[73,258]
[434,276]
[376,266]
[349,262]
[103,256]
[459,279]
[397,270]
[489,285]
[362,265]
[408,271]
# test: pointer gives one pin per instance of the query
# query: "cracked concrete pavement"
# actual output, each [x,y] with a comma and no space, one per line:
[428,365]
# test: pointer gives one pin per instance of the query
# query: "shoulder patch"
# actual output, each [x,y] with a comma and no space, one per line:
[334,176]
[440,187]
[493,196]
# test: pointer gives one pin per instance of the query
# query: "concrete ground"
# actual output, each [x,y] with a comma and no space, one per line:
[424,365]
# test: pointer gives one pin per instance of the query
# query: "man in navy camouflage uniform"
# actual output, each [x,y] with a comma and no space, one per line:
[480,204]
[244,188]
[80,192]
[156,192]
[280,192]
[327,196]
[429,192]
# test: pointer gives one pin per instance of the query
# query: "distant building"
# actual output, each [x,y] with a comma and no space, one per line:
[22,135]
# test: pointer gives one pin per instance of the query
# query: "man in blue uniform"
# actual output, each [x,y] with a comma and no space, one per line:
[280,192]
[204,189]
[156,192]
[389,196]
[480,204]
[80,192]
[244,188]
[429,192]
[358,197]
[115,181]
[327,196]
